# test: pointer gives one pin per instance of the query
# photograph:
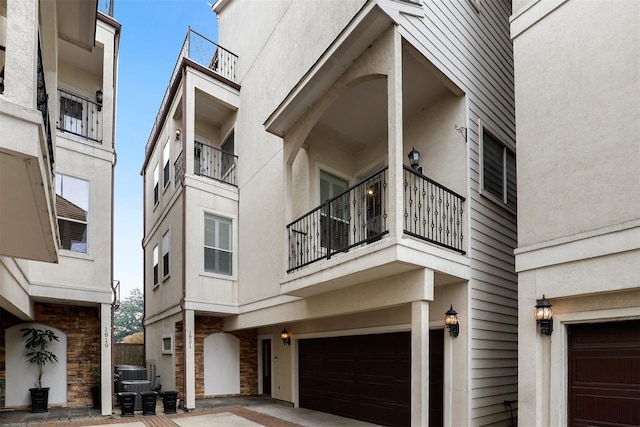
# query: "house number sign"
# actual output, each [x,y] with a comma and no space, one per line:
[190,339]
[106,338]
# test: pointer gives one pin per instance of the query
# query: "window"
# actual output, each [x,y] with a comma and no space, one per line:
[155,265]
[167,344]
[71,115]
[332,186]
[228,160]
[156,179]
[165,254]
[217,244]
[72,204]
[498,170]
[166,173]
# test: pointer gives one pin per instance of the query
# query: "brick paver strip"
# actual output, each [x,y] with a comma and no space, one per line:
[162,420]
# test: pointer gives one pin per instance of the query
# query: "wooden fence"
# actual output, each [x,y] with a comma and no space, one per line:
[129,354]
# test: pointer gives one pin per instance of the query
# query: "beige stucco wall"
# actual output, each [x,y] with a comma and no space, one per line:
[165,362]
[578,120]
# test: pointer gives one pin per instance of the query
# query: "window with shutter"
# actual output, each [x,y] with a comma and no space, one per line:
[498,170]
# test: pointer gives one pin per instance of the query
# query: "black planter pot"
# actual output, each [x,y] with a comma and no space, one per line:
[127,403]
[96,394]
[169,401]
[39,399]
[149,402]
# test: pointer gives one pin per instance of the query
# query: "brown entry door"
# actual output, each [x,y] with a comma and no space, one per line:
[266,367]
[604,374]
[436,377]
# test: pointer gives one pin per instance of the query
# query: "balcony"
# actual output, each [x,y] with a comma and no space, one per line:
[214,163]
[201,52]
[358,216]
[79,116]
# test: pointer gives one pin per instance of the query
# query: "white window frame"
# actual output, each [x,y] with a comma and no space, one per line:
[234,245]
[500,139]
[164,348]
[156,183]
[61,175]
[166,257]
[166,165]
[155,271]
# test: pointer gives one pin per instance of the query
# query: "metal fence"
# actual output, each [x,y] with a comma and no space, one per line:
[79,116]
[214,163]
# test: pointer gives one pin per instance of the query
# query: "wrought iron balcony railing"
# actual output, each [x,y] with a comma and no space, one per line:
[179,168]
[43,107]
[353,218]
[80,116]
[214,163]
[204,52]
[432,212]
[359,216]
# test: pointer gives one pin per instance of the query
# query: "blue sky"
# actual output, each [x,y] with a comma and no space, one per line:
[151,38]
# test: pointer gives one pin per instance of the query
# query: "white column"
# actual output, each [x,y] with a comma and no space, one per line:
[395,140]
[21,55]
[106,370]
[420,363]
[189,360]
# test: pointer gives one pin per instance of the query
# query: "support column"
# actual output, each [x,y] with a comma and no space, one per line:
[189,360]
[21,55]
[395,140]
[106,368]
[420,363]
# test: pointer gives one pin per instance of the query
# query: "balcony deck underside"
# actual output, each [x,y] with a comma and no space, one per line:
[384,258]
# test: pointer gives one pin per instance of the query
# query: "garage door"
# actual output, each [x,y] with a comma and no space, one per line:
[604,374]
[367,377]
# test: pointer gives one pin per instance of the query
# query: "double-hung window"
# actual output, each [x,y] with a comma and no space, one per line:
[156,180]
[165,254]
[498,170]
[218,244]
[155,265]
[166,173]
[72,205]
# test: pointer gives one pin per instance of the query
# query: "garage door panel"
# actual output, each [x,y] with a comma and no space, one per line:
[604,374]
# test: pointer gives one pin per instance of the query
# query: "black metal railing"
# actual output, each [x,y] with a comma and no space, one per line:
[204,52]
[214,163]
[432,212]
[80,116]
[355,217]
[106,7]
[179,168]
[42,99]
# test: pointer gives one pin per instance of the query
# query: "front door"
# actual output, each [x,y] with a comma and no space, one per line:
[266,367]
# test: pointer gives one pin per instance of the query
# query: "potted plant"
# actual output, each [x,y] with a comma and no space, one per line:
[96,388]
[38,353]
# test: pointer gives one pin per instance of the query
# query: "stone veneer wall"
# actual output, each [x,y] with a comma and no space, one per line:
[82,326]
[205,326]
[178,345]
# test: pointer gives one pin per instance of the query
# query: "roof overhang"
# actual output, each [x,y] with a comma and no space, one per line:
[77,22]
[365,27]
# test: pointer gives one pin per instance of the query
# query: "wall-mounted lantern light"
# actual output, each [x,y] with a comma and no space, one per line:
[544,316]
[178,133]
[414,159]
[286,338]
[451,320]
[99,99]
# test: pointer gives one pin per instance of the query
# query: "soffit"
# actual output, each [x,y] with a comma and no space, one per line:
[77,21]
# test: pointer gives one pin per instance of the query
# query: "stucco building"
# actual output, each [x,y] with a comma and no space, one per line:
[577,81]
[279,196]
[58,78]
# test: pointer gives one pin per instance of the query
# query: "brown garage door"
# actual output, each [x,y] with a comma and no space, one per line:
[366,377]
[604,374]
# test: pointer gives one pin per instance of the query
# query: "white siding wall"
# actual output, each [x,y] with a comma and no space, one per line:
[474,50]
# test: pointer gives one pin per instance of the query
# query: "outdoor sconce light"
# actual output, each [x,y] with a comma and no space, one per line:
[451,320]
[286,338]
[99,99]
[178,133]
[544,316]
[414,158]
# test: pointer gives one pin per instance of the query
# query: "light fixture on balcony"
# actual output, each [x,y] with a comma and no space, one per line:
[99,99]
[178,133]
[544,316]
[286,338]
[451,320]
[414,159]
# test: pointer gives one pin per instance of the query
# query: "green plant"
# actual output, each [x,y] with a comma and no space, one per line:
[96,374]
[37,344]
